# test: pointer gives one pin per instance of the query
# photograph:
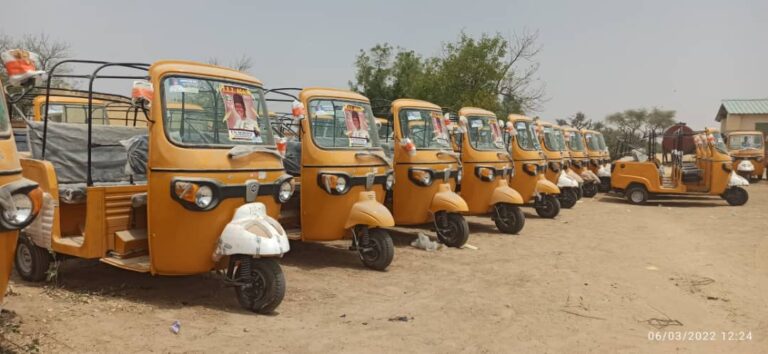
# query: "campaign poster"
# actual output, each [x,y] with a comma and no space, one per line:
[496,133]
[357,125]
[439,129]
[240,114]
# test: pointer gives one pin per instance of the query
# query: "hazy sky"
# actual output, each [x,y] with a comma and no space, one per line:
[597,57]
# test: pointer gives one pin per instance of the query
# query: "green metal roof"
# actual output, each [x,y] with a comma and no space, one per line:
[742,106]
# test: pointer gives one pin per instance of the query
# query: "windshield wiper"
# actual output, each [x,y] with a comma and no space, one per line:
[245,150]
[360,154]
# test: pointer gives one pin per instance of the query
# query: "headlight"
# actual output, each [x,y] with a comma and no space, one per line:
[727,166]
[530,168]
[341,185]
[21,210]
[204,197]
[390,182]
[459,175]
[334,183]
[285,192]
[422,177]
[486,174]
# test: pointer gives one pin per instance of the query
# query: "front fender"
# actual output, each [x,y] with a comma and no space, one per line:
[737,181]
[745,166]
[506,194]
[571,173]
[590,176]
[446,200]
[565,181]
[544,186]
[252,232]
[604,170]
[368,211]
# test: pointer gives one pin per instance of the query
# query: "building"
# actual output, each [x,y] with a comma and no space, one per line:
[743,114]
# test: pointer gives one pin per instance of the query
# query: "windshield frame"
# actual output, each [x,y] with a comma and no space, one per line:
[403,114]
[373,128]
[530,134]
[5,118]
[472,143]
[560,138]
[601,142]
[270,142]
[552,137]
[589,142]
[719,143]
[760,137]
[579,137]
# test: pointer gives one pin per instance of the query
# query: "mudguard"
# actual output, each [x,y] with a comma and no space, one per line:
[737,181]
[745,166]
[446,200]
[575,176]
[506,194]
[604,170]
[252,232]
[590,176]
[544,186]
[368,211]
[565,181]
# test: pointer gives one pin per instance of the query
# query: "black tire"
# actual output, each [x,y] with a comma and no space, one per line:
[456,232]
[509,218]
[568,197]
[736,196]
[579,192]
[379,252]
[31,262]
[605,185]
[267,284]
[548,207]
[590,189]
[636,194]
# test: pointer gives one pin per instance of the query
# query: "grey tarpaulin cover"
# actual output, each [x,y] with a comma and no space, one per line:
[137,148]
[67,150]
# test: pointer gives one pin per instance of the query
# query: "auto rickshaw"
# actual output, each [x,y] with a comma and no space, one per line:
[550,137]
[479,141]
[530,166]
[20,198]
[574,141]
[747,150]
[164,199]
[428,170]
[342,171]
[640,177]
[599,159]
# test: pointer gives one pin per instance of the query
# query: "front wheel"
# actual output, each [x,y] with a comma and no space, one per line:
[509,218]
[32,262]
[590,189]
[548,207]
[736,196]
[260,283]
[376,248]
[568,197]
[452,229]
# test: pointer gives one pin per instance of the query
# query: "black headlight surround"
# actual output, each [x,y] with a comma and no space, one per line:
[485,178]
[527,169]
[333,191]
[22,186]
[417,181]
[216,190]
[554,166]
[282,179]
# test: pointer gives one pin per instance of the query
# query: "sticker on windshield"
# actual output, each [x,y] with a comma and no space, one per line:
[239,114]
[413,115]
[183,85]
[496,134]
[441,133]
[477,123]
[357,126]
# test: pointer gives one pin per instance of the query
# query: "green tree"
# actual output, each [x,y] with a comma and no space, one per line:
[633,127]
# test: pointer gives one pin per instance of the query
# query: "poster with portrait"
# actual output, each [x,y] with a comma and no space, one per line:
[439,129]
[498,141]
[240,114]
[357,125]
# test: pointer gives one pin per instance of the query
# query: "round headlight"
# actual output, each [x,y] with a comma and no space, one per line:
[204,197]
[459,175]
[426,178]
[23,210]
[341,184]
[390,181]
[286,191]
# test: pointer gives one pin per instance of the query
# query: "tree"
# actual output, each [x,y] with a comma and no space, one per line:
[488,72]
[633,127]
[243,64]
[580,121]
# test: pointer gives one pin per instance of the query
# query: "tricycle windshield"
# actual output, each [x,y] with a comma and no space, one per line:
[526,136]
[485,133]
[425,128]
[575,142]
[214,113]
[339,123]
[592,142]
[550,140]
[719,142]
[601,142]
[753,141]
[560,139]
[5,125]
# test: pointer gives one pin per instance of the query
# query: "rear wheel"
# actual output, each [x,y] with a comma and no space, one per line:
[261,283]
[636,194]
[590,189]
[32,262]
[376,248]
[452,229]
[736,196]
[568,197]
[509,218]
[579,192]
[548,207]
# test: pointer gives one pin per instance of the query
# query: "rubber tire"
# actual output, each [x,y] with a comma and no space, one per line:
[39,259]
[605,185]
[590,189]
[382,242]
[458,223]
[270,271]
[517,215]
[635,188]
[736,196]
[579,192]
[551,208]
[568,198]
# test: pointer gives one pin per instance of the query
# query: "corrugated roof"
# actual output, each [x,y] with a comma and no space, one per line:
[742,106]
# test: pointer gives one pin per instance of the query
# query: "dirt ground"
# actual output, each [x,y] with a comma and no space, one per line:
[601,277]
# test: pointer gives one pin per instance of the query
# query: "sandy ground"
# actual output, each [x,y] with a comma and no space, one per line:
[599,278]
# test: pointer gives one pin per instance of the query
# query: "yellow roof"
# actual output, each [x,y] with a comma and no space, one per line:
[474,111]
[744,132]
[40,100]
[518,117]
[164,67]
[311,92]
[408,102]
